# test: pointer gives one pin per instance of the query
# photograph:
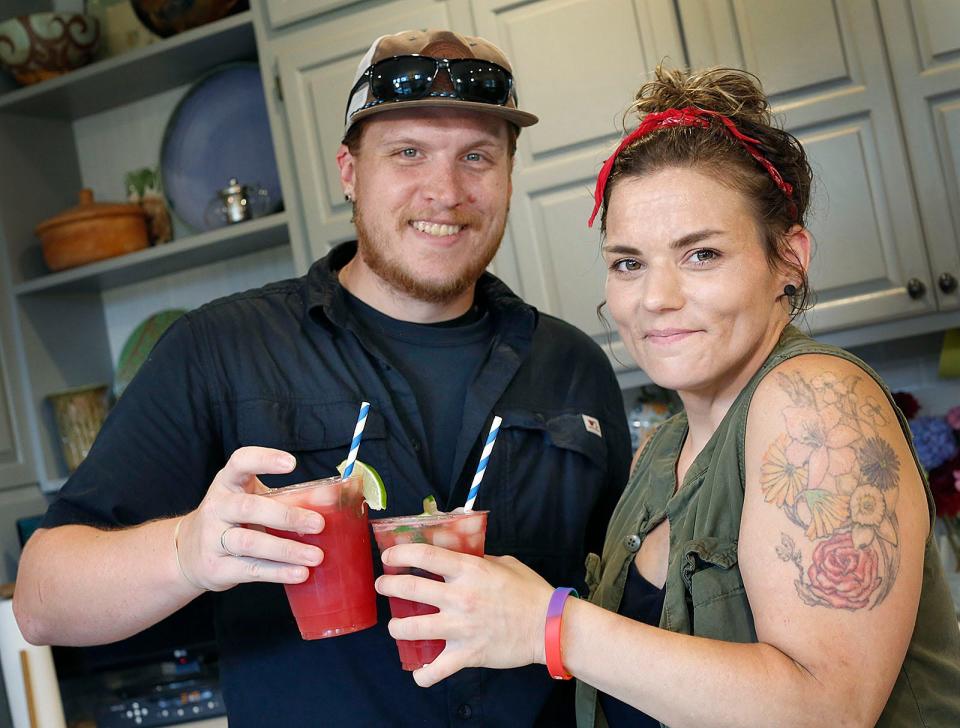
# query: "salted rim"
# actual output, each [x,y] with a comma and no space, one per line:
[421,519]
[309,484]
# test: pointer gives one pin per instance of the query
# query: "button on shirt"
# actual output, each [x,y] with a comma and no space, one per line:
[287,366]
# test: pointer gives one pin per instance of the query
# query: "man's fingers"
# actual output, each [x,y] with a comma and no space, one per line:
[256,510]
[434,559]
[248,462]
[239,541]
[245,570]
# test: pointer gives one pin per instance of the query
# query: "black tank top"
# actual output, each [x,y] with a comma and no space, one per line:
[643,602]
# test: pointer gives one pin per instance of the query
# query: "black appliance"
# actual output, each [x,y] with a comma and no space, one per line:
[165,675]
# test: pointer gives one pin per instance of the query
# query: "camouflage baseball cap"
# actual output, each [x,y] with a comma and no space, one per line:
[439,44]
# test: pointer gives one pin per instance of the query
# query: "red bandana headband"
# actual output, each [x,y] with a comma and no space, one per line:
[689,116]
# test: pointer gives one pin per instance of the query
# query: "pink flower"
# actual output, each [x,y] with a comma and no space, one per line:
[843,575]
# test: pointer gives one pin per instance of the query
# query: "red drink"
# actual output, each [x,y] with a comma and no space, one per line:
[338,596]
[463,532]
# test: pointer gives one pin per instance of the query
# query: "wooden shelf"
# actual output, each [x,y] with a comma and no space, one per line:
[178,255]
[138,74]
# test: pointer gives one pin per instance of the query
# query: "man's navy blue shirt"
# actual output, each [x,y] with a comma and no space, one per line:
[287,366]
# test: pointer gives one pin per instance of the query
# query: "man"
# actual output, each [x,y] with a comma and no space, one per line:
[270,381]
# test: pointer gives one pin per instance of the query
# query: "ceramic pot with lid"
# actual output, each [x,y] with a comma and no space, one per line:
[91,231]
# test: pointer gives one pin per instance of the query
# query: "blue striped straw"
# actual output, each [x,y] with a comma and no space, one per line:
[482,465]
[357,435]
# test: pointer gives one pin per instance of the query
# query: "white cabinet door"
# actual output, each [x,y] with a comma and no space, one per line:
[822,63]
[578,65]
[923,41]
[286,12]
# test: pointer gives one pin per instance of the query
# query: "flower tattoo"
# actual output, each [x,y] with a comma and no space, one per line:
[780,479]
[838,480]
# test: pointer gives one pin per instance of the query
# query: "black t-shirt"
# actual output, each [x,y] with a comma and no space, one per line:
[287,366]
[643,602]
[439,361]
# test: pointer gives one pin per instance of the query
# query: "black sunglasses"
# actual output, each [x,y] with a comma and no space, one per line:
[407,78]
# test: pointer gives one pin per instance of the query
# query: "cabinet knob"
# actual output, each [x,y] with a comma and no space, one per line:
[947,282]
[916,288]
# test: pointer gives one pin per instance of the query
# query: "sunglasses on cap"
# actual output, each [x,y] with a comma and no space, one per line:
[408,78]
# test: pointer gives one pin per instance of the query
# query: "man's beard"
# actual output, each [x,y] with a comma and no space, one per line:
[394,274]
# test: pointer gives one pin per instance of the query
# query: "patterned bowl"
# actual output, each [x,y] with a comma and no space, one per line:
[39,46]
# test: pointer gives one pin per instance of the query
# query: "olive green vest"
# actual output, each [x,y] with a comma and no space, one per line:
[705,595]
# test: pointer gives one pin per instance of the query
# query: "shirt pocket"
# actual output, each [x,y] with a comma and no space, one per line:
[717,599]
[550,472]
[317,434]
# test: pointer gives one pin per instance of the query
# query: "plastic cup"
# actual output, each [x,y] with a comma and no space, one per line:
[462,532]
[338,596]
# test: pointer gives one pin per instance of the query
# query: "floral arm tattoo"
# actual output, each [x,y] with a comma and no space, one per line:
[838,480]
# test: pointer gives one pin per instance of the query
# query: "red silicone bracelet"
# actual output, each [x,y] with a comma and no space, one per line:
[551,633]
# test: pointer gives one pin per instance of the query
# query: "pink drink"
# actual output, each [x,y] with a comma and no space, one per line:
[338,596]
[463,532]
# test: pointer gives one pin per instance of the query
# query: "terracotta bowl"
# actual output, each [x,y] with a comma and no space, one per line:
[44,45]
[91,231]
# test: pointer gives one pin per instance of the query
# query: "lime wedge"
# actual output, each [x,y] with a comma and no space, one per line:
[374,492]
[430,506]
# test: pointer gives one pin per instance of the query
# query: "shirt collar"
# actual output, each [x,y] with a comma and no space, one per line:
[324,297]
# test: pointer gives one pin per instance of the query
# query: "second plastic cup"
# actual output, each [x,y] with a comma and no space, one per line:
[338,596]
[462,532]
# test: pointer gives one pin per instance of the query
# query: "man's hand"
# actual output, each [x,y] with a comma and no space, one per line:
[222,543]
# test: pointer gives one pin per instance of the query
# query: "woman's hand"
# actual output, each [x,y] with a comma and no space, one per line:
[492,609]
[215,549]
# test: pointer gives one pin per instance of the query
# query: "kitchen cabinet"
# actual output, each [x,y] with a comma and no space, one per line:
[54,136]
[284,12]
[923,43]
[825,67]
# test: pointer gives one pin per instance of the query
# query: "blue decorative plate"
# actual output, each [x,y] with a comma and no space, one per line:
[218,131]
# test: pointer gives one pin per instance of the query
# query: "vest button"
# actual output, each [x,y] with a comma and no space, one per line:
[464,712]
[632,543]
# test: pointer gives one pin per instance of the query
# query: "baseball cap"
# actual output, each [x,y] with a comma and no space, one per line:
[433,44]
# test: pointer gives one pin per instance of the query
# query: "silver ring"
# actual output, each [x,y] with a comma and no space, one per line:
[223,545]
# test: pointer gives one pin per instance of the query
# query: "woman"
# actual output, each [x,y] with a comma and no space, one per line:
[771,560]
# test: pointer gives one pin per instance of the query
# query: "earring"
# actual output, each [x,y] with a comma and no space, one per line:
[347,197]
[789,290]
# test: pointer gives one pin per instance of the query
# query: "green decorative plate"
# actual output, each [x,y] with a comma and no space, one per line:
[139,345]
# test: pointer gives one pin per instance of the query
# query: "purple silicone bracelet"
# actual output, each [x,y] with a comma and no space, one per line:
[558,599]
[551,632]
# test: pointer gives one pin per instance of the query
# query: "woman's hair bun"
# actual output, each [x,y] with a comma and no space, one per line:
[729,91]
